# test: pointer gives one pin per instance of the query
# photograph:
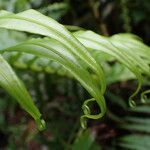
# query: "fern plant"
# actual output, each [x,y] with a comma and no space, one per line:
[76,52]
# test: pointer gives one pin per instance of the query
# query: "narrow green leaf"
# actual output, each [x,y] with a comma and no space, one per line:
[10,82]
[34,22]
[116,47]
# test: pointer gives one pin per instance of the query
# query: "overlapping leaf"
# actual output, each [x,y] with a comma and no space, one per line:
[64,49]
[125,48]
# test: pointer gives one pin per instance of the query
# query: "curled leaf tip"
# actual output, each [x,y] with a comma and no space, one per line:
[86,109]
[41,125]
[83,122]
[85,106]
[144,98]
[132,103]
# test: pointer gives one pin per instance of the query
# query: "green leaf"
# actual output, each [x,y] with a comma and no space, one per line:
[78,59]
[137,126]
[120,47]
[136,142]
[53,50]
[34,22]
[10,82]
[85,141]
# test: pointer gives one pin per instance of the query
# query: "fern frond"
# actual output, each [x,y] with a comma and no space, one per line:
[136,57]
[75,52]
[138,129]
[65,49]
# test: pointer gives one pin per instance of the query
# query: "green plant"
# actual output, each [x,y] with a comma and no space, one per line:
[85,141]
[75,52]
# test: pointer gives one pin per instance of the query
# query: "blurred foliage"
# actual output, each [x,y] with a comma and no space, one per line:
[61,98]
[85,141]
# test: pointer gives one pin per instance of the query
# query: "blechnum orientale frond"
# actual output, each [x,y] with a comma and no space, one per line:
[75,52]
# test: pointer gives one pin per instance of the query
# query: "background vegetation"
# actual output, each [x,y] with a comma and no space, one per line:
[60,97]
